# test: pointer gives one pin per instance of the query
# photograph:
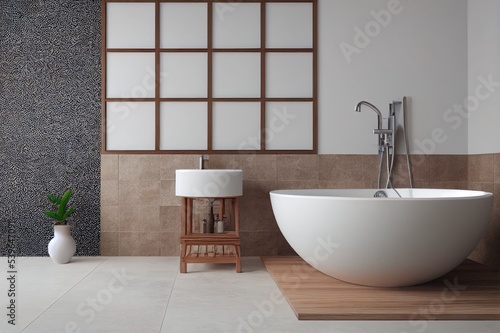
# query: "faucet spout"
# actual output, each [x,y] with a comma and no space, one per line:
[374,108]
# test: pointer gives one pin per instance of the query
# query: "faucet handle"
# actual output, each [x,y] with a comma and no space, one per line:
[384,136]
[382,131]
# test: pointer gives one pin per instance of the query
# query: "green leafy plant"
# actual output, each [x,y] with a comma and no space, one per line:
[62,211]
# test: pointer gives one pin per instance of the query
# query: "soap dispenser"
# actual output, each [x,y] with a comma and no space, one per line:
[216,223]
[220,226]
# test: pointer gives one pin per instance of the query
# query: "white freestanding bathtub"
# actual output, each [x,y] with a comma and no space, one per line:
[383,242]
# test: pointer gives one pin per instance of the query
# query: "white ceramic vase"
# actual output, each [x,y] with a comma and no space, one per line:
[62,247]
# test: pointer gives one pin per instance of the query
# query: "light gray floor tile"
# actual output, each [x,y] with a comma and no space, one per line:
[149,295]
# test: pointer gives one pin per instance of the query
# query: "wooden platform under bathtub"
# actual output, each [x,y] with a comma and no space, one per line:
[469,292]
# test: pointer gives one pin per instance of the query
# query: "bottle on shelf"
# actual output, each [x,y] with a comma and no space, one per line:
[216,223]
[211,219]
[220,226]
[204,226]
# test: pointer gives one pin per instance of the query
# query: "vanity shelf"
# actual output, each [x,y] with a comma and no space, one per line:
[209,247]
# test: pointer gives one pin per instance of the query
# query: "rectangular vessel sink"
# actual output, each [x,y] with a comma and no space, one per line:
[208,183]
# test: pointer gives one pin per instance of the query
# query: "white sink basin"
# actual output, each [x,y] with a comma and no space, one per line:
[208,183]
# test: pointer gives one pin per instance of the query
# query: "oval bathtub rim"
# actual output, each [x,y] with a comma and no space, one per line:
[301,193]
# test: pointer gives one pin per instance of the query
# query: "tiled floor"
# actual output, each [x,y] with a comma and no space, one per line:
[147,294]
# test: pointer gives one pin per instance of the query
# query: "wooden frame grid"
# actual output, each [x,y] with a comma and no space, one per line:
[210,99]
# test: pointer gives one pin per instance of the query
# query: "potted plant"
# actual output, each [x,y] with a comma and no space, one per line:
[62,247]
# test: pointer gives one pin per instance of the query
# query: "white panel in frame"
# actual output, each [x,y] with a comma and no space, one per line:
[238,28]
[183,25]
[236,74]
[289,25]
[289,75]
[183,75]
[236,126]
[289,126]
[130,126]
[130,75]
[183,126]
[130,25]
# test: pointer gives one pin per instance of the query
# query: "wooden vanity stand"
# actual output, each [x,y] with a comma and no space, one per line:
[222,241]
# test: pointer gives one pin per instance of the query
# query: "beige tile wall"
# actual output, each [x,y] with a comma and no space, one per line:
[140,214]
[484,174]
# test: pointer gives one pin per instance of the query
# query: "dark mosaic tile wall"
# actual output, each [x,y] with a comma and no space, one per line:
[49,119]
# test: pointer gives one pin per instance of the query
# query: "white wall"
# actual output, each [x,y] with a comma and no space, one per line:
[484,62]
[421,53]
